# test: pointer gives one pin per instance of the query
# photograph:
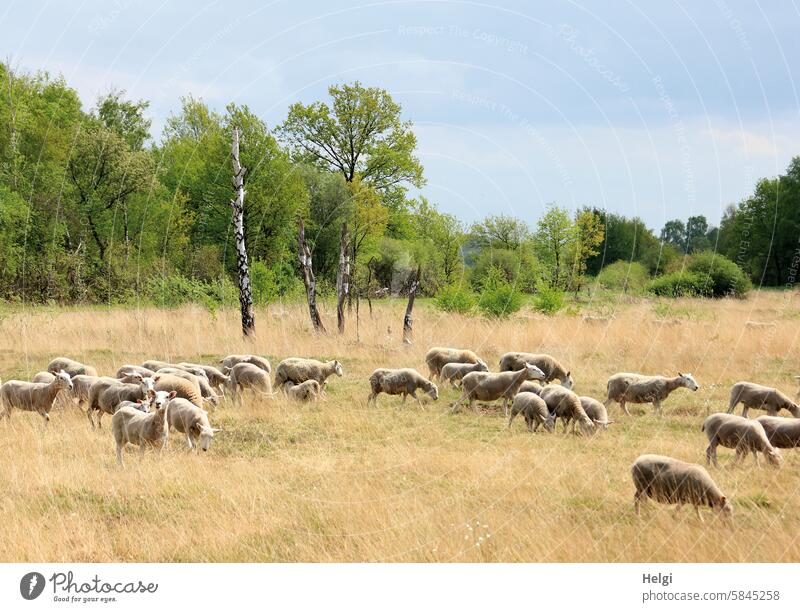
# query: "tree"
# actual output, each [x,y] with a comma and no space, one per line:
[367,225]
[440,237]
[237,204]
[587,237]
[125,118]
[696,234]
[674,232]
[500,232]
[554,233]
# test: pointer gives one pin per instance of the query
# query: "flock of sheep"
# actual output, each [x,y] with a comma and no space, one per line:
[147,401]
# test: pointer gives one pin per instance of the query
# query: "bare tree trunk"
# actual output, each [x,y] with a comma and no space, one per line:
[342,278]
[309,280]
[408,322]
[369,284]
[237,204]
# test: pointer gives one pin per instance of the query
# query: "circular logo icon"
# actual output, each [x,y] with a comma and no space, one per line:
[31,585]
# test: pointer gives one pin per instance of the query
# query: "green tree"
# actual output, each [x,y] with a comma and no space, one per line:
[554,234]
[674,232]
[500,232]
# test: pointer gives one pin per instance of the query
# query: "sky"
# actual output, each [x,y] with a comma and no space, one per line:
[660,109]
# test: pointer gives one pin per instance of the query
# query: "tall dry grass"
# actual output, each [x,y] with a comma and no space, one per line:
[344,482]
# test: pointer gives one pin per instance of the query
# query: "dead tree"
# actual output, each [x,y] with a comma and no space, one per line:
[245,289]
[308,279]
[408,333]
[342,277]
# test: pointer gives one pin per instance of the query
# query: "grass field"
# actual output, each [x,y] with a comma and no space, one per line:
[343,482]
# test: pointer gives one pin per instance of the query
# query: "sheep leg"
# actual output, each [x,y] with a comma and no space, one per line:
[699,516]
[458,403]
[514,413]
[711,452]
[89,416]
[624,407]
[505,406]
[637,502]
[744,410]
[189,441]
[119,455]
[416,397]
[732,405]
[657,407]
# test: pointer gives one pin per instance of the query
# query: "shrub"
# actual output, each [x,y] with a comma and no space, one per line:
[177,290]
[727,279]
[271,283]
[624,276]
[454,298]
[519,268]
[499,299]
[682,284]
[548,300]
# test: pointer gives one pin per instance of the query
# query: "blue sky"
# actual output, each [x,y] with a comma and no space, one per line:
[657,109]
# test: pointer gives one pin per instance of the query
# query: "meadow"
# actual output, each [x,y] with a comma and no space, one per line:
[341,481]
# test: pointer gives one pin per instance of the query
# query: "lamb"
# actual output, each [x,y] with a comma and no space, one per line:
[192,421]
[107,393]
[487,386]
[231,360]
[762,398]
[404,381]
[438,357]
[182,387]
[454,372]
[533,408]
[641,389]
[134,369]
[739,433]
[671,481]
[304,392]
[565,404]
[781,432]
[298,370]
[215,377]
[596,411]
[202,383]
[70,366]
[132,426]
[245,375]
[546,363]
[32,396]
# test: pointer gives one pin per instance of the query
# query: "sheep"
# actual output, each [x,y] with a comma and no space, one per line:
[739,433]
[70,366]
[32,396]
[596,411]
[185,417]
[486,386]
[44,377]
[752,395]
[134,369]
[155,364]
[563,403]
[107,393]
[671,481]
[182,387]
[454,372]
[231,360]
[404,381]
[215,377]
[781,432]
[82,383]
[132,426]
[546,363]
[532,407]
[245,375]
[304,392]
[641,389]
[438,357]
[298,370]
[530,386]
[201,381]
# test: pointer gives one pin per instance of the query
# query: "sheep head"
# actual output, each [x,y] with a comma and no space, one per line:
[337,367]
[205,435]
[688,381]
[62,380]
[568,382]
[534,373]
[432,390]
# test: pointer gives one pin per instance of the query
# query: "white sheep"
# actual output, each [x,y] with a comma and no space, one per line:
[760,397]
[201,382]
[454,372]
[216,378]
[546,363]
[404,381]
[533,408]
[563,403]
[781,432]
[191,421]
[299,369]
[107,393]
[488,386]
[231,360]
[596,411]
[245,375]
[132,426]
[627,387]
[741,434]
[134,369]
[437,357]
[304,392]
[32,396]
[70,366]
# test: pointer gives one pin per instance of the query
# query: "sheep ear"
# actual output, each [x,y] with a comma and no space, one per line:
[568,374]
[217,429]
[172,394]
[679,374]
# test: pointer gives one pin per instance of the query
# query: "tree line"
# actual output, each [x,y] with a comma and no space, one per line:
[94,207]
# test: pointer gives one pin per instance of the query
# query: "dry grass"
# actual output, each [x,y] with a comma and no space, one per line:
[341,482]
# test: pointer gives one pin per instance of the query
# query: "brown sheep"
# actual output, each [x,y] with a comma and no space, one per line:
[487,386]
[640,389]
[546,363]
[403,382]
[762,398]
[739,433]
[781,432]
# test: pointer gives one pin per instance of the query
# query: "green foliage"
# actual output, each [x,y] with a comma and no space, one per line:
[455,298]
[498,298]
[727,279]
[682,284]
[176,290]
[628,277]
[548,300]
[272,283]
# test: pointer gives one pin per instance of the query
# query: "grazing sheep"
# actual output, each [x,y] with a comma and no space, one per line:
[781,432]
[192,421]
[215,377]
[762,398]
[202,383]
[486,386]
[596,411]
[640,389]
[533,408]
[70,366]
[245,375]
[404,381]
[438,357]
[563,403]
[44,377]
[304,392]
[132,426]
[739,433]
[32,396]
[155,365]
[671,481]
[107,393]
[182,387]
[454,372]
[231,360]
[530,386]
[546,363]
[299,370]
[134,369]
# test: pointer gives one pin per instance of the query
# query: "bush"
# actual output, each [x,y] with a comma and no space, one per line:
[271,283]
[548,300]
[454,298]
[177,290]
[727,279]
[519,268]
[682,284]
[624,276]
[498,299]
